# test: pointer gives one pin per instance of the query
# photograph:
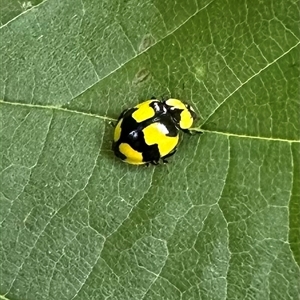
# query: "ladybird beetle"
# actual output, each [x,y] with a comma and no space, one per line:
[149,132]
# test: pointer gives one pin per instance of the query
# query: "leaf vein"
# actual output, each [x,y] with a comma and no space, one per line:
[249,79]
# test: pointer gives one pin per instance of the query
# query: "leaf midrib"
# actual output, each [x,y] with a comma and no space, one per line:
[105,118]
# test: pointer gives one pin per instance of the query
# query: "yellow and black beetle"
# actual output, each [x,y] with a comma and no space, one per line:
[149,131]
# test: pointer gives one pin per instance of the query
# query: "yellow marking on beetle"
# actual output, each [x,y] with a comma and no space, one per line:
[144,111]
[176,103]
[156,134]
[133,157]
[117,133]
[186,119]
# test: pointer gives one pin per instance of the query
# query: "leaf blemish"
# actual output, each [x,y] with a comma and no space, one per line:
[147,41]
[141,75]
[26,5]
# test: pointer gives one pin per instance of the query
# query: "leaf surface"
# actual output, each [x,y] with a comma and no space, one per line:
[221,221]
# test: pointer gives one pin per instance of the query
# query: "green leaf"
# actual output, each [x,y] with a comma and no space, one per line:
[220,221]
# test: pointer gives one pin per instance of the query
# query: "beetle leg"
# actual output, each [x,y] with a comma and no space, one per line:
[164,161]
[191,132]
[169,155]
